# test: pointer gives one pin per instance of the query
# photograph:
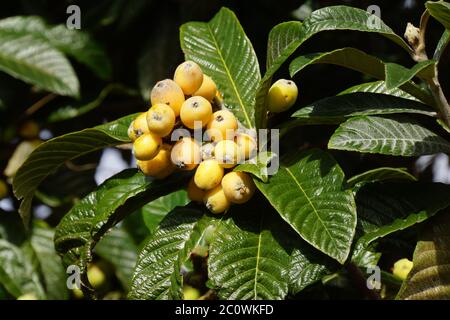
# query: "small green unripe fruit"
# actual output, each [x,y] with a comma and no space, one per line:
[226,153]
[195,109]
[146,147]
[222,125]
[195,193]
[282,95]
[3,189]
[189,76]
[140,126]
[96,276]
[238,187]
[160,119]
[190,293]
[208,175]
[208,89]
[402,268]
[186,154]
[168,92]
[160,166]
[216,201]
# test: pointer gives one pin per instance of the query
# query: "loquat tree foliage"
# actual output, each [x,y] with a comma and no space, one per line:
[234,231]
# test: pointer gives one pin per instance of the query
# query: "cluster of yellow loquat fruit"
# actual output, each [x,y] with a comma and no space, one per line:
[162,141]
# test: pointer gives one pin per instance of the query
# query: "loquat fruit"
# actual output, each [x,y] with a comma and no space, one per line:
[147,146]
[238,187]
[208,89]
[140,126]
[226,153]
[216,201]
[195,109]
[189,76]
[160,166]
[222,125]
[282,95]
[246,145]
[168,92]
[195,193]
[207,151]
[208,174]
[186,154]
[161,119]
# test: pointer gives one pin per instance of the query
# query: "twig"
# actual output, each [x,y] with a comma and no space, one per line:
[40,103]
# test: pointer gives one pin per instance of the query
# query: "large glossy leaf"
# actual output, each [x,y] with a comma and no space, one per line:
[17,274]
[379,87]
[285,38]
[50,266]
[50,155]
[75,43]
[429,278]
[399,136]
[35,61]
[387,207]
[119,248]
[225,53]
[86,223]
[395,75]
[155,211]
[381,174]
[308,193]
[256,255]
[440,10]
[158,267]
[336,109]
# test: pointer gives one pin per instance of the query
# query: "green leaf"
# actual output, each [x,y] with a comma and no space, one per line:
[50,266]
[360,61]
[387,207]
[334,110]
[158,266]
[442,45]
[86,223]
[381,174]
[399,136]
[225,53]
[308,193]
[50,155]
[35,61]
[75,43]
[429,278]
[443,125]
[397,75]
[258,165]
[155,211]
[256,255]
[16,272]
[440,10]
[119,249]
[379,87]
